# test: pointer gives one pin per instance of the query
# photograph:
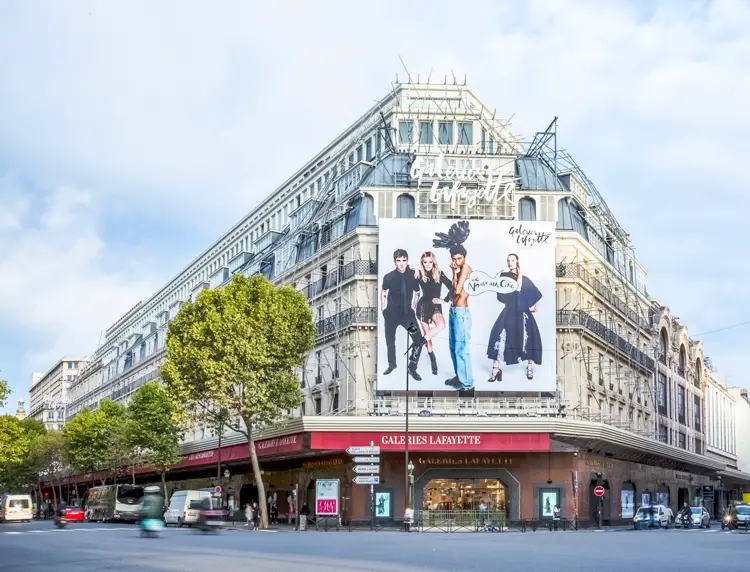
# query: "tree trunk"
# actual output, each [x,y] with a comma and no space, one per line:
[59,484]
[258,478]
[78,497]
[164,485]
[133,474]
[54,495]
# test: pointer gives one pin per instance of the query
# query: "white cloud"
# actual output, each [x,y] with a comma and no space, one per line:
[53,288]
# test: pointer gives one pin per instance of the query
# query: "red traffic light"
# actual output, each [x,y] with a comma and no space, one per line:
[46,494]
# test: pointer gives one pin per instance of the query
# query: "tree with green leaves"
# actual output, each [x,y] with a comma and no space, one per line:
[24,473]
[97,440]
[154,428]
[4,392]
[50,453]
[13,443]
[233,352]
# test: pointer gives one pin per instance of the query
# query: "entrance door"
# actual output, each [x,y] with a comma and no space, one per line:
[465,494]
[248,495]
[683,496]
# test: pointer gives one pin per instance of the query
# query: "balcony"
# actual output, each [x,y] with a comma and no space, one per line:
[346,318]
[578,271]
[353,268]
[581,319]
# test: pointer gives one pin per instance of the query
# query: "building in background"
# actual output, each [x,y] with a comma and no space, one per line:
[48,394]
[742,427]
[21,411]
[612,394]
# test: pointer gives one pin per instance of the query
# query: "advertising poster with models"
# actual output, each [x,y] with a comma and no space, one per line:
[472,300]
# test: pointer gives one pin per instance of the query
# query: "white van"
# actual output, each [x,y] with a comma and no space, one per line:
[180,512]
[17,507]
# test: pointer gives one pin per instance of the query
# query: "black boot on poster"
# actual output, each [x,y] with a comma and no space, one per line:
[433,362]
[416,352]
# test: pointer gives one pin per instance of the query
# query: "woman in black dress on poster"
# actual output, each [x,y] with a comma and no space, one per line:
[523,342]
[429,307]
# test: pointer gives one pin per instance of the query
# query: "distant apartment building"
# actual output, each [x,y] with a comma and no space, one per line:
[742,427]
[48,396]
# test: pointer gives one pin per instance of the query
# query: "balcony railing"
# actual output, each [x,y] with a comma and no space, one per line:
[333,278]
[449,406]
[579,271]
[348,317]
[581,319]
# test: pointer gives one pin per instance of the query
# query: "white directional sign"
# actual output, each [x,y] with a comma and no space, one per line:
[366,468]
[369,480]
[366,459]
[363,450]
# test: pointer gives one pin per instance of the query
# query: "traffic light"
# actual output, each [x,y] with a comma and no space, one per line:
[46,494]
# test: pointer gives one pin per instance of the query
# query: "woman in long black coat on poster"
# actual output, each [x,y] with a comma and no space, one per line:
[523,342]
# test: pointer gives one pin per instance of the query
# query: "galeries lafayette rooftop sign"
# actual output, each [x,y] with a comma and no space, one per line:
[396,441]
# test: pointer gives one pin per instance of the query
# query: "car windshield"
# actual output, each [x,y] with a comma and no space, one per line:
[644,511]
[743,510]
[129,494]
[18,503]
[696,510]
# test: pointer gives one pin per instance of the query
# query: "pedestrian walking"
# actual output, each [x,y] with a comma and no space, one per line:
[248,514]
[556,515]
[256,516]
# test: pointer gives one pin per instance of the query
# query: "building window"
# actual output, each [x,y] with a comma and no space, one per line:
[445,132]
[681,441]
[698,446]
[681,365]
[405,206]
[336,361]
[368,149]
[662,433]
[359,153]
[681,404]
[318,409]
[663,345]
[465,133]
[319,360]
[426,132]
[661,393]
[267,267]
[351,161]
[697,412]
[405,131]
[527,209]
[335,404]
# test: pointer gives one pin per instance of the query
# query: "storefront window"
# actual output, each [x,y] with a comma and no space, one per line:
[465,494]
[627,501]
[548,500]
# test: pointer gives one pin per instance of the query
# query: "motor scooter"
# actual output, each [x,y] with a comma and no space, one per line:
[729,522]
[61,522]
[686,521]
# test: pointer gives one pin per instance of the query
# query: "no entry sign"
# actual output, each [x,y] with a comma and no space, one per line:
[599,491]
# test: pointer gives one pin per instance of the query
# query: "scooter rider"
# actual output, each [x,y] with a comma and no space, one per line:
[685,515]
[152,504]
[60,512]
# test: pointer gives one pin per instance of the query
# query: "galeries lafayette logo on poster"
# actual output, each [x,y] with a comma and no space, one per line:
[396,439]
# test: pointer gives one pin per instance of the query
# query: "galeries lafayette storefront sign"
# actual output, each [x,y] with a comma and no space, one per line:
[396,441]
[263,448]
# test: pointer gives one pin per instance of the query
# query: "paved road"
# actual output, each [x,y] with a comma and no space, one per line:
[38,546]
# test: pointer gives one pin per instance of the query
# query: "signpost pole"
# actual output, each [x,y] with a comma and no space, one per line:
[372,498]
[600,502]
[406,427]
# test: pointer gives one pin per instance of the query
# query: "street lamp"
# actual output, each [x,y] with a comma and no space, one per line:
[412,329]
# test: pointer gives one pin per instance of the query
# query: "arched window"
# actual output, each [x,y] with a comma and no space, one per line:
[362,213]
[698,373]
[527,209]
[268,267]
[663,345]
[405,206]
[681,364]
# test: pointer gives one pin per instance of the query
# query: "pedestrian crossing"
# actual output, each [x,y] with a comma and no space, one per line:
[75,529]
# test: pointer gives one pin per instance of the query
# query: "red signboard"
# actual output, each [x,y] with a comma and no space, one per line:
[599,491]
[263,448]
[459,442]
[327,506]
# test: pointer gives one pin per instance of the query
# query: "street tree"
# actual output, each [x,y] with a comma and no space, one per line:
[154,428]
[24,473]
[231,356]
[4,392]
[97,440]
[13,443]
[50,453]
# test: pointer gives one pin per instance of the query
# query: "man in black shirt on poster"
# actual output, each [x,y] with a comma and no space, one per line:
[398,297]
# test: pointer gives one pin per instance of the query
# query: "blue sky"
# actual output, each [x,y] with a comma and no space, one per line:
[132,134]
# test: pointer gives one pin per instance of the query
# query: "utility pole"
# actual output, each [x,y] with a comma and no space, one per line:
[599,502]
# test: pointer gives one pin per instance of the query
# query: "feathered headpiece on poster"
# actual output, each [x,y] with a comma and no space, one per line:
[454,240]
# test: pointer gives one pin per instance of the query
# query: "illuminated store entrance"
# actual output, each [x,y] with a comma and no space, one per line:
[464,494]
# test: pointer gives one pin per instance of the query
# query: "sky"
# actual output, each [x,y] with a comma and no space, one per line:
[133,134]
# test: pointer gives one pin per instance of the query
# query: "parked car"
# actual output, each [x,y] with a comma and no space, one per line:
[74,513]
[701,518]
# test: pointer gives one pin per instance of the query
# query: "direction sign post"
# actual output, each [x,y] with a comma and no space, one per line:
[599,491]
[366,469]
[363,450]
[366,459]
[366,480]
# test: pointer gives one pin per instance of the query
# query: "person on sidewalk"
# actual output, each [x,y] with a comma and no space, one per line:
[248,514]
[556,514]
[304,512]
[256,516]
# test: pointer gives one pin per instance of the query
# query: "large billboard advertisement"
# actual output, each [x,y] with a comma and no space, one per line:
[466,304]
